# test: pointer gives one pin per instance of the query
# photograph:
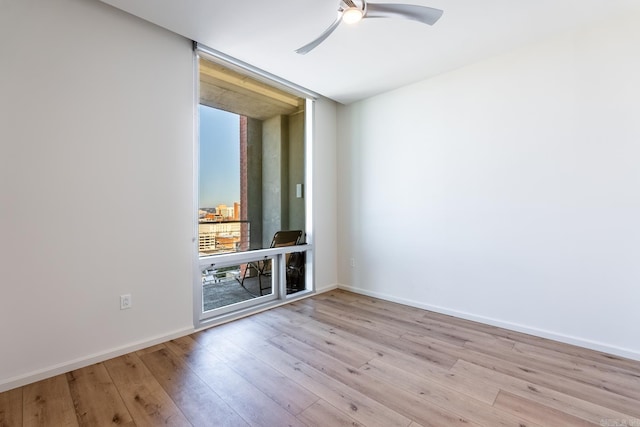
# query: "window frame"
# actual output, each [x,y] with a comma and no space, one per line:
[279,296]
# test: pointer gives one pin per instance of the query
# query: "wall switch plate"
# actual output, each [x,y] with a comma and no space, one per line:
[125,301]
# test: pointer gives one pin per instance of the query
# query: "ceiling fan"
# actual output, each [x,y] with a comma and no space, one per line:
[350,12]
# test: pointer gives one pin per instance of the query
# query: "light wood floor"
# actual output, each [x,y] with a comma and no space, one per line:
[340,359]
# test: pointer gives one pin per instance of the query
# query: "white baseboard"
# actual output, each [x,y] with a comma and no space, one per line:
[51,371]
[327,288]
[567,339]
[82,362]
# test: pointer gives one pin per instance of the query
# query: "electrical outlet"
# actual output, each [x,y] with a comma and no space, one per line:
[125,301]
[353,262]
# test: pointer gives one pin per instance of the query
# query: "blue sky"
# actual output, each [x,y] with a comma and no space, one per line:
[219,157]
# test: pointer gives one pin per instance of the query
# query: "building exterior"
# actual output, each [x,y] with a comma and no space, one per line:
[219,237]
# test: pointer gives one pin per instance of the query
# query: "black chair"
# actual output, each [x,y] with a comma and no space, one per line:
[295,272]
[263,268]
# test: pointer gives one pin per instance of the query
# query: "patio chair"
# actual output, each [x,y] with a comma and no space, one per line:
[263,268]
[295,272]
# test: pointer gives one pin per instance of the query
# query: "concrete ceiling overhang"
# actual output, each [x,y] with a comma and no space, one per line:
[226,89]
[376,55]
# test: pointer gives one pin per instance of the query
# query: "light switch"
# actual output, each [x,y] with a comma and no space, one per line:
[299,191]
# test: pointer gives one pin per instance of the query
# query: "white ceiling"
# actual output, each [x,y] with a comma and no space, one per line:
[376,55]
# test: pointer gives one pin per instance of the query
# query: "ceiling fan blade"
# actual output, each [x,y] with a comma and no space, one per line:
[426,15]
[310,46]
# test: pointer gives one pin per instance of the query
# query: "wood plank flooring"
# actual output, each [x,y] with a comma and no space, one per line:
[341,359]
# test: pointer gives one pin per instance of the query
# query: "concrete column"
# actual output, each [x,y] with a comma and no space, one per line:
[252,207]
[272,163]
[275,177]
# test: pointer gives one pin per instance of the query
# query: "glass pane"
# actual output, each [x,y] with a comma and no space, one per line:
[230,285]
[252,161]
[295,272]
[221,229]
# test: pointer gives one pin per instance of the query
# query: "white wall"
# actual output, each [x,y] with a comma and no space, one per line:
[505,191]
[96,186]
[96,183]
[325,195]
